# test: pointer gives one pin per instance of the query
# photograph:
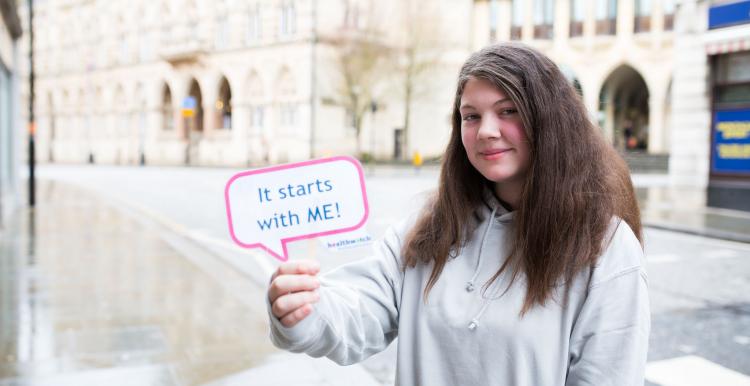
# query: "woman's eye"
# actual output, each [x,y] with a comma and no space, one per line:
[470,117]
[508,111]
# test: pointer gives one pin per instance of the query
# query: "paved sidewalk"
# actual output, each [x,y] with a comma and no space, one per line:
[683,209]
[94,294]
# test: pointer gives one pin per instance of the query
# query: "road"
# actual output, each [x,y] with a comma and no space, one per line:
[699,287]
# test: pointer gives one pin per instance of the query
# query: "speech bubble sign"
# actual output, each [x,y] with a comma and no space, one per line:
[270,207]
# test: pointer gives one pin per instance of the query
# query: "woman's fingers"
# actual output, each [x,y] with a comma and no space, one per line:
[285,284]
[288,304]
[293,318]
[310,267]
[292,291]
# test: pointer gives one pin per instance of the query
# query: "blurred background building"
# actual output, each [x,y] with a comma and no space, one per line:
[200,82]
[10,32]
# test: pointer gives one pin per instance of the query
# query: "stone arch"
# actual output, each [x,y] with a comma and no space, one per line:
[166,108]
[572,78]
[195,124]
[624,108]
[139,120]
[224,104]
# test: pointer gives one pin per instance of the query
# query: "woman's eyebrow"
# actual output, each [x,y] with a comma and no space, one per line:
[499,101]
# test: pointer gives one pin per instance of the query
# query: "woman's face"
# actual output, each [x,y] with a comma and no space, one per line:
[492,133]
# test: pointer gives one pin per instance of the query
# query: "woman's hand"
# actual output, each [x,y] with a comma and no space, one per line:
[293,290]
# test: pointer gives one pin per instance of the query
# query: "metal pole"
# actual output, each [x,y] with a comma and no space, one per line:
[313,75]
[32,128]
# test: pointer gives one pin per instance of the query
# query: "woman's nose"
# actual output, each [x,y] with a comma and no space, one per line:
[490,128]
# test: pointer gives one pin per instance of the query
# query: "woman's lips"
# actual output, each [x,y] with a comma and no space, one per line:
[493,154]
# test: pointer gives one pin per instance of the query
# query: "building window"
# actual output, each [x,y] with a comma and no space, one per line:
[516,25]
[124,50]
[287,25]
[222,32]
[167,114]
[642,21]
[352,19]
[576,18]
[493,21]
[606,17]
[288,115]
[224,105]
[349,120]
[256,118]
[668,14]
[543,19]
[254,26]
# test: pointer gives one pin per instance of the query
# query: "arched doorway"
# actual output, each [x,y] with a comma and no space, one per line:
[570,75]
[167,112]
[193,121]
[196,123]
[51,117]
[624,109]
[224,105]
[139,119]
[121,119]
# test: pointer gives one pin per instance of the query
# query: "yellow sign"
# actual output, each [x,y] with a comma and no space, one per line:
[188,113]
[734,151]
[417,160]
[734,130]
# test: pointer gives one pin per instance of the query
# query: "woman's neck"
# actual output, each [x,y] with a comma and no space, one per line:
[509,193]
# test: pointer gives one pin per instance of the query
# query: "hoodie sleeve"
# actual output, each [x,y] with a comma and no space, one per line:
[357,314]
[609,341]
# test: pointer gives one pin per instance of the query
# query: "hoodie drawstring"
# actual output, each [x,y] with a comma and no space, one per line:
[470,284]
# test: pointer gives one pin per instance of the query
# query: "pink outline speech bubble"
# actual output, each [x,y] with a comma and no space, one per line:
[286,240]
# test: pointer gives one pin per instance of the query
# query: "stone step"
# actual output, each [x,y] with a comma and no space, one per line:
[641,162]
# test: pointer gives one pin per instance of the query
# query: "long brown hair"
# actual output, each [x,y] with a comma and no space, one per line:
[575,184]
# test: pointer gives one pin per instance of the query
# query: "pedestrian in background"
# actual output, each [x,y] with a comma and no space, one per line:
[525,267]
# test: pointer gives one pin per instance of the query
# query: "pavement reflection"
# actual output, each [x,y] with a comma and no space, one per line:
[89,295]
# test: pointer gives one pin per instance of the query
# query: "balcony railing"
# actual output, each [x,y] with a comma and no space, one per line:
[515,32]
[576,28]
[543,31]
[669,22]
[606,27]
[642,24]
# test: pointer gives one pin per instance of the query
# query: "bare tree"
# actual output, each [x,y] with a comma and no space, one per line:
[361,62]
[419,54]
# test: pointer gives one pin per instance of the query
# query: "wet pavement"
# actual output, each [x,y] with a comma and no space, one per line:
[146,288]
[93,295]
[683,209]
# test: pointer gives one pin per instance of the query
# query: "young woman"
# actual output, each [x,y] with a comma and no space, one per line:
[525,268]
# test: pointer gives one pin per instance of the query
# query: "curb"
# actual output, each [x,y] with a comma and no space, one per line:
[705,232]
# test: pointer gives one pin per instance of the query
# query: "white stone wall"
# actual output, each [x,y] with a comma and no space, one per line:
[87,50]
[592,58]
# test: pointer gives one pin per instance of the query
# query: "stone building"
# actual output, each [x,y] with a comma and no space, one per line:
[712,101]
[10,138]
[259,79]
[619,54]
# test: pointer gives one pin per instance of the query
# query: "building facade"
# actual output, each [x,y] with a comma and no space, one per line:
[712,101]
[261,75]
[214,82]
[233,82]
[10,32]
[618,54]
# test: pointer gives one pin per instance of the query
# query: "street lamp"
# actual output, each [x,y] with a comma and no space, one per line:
[32,124]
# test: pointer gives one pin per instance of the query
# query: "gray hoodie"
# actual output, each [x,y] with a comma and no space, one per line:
[466,336]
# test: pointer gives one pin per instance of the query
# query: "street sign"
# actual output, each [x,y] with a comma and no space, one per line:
[188,107]
[731,142]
